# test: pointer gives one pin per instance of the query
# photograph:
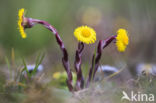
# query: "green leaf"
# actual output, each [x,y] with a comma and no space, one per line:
[8,64]
[25,68]
[39,60]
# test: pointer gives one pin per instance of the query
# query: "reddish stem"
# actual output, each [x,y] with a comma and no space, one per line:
[61,44]
[77,63]
[96,57]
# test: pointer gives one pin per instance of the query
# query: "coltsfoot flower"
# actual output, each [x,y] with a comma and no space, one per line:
[122,40]
[85,34]
[56,75]
[20,23]
[61,77]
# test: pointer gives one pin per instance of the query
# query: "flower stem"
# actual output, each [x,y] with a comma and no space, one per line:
[63,49]
[97,56]
[77,64]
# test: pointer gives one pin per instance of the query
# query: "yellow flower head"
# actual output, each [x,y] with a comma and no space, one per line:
[62,76]
[85,34]
[56,75]
[122,40]
[20,21]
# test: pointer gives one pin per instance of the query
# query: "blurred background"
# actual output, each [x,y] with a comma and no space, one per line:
[105,16]
[138,17]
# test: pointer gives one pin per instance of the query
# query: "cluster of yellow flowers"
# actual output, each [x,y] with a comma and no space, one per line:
[84,34]
[88,35]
